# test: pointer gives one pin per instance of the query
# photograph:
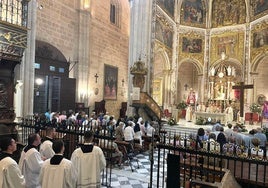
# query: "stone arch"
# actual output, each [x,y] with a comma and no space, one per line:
[197,64]
[257,61]
[189,72]
[259,72]
[161,77]
[53,69]
[164,55]
[48,51]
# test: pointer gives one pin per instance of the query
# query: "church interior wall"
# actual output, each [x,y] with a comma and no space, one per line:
[58,24]
[109,45]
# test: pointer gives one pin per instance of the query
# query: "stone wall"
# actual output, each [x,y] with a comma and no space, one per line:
[64,25]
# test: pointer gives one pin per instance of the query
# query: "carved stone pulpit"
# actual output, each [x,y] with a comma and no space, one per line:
[138,70]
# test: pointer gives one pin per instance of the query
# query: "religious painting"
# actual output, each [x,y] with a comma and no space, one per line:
[191,45]
[193,13]
[260,38]
[167,6]
[259,6]
[163,34]
[110,82]
[228,44]
[228,12]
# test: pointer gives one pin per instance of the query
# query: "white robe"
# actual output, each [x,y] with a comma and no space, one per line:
[46,150]
[89,167]
[30,164]
[188,116]
[10,174]
[62,175]
[229,115]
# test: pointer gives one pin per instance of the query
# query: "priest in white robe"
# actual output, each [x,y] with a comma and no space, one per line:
[58,171]
[10,174]
[31,162]
[189,113]
[229,113]
[46,150]
[89,161]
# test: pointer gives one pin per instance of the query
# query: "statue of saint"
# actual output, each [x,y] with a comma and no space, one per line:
[191,97]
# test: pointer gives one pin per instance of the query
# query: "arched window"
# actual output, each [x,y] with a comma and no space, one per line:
[115,12]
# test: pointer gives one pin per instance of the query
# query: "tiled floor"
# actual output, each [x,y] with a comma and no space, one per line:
[139,178]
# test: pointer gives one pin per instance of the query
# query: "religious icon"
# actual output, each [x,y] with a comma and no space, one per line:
[110,82]
[191,97]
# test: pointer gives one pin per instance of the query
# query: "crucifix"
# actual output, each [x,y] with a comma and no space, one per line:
[96,76]
[241,87]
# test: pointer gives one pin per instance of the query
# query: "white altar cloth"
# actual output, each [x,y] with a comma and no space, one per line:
[216,116]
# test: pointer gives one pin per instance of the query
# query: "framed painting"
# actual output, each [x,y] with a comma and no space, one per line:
[193,13]
[110,82]
[260,6]
[260,38]
[191,45]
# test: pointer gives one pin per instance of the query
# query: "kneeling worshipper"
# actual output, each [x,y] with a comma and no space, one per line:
[58,171]
[10,174]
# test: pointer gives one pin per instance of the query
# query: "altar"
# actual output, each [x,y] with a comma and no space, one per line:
[213,116]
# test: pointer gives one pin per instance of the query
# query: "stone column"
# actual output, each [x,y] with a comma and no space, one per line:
[83,72]
[26,68]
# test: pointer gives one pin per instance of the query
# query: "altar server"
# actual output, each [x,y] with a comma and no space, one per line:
[189,114]
[10,174]
[46,150]
[58,171]
[229,114]
[89,161]
[31,162]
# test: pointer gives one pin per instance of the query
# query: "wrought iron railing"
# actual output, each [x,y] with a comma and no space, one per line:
[209,164]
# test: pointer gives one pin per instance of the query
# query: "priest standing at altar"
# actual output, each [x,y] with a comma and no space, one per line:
[189,113]
[229,114]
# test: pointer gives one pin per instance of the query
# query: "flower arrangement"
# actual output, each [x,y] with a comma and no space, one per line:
[182,105]
[200,121]
[255,108]
[172,121]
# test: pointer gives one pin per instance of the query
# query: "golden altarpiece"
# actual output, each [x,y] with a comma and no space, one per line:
[218,44]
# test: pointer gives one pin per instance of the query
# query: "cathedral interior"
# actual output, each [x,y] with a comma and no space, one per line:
[73,55]
[131,57]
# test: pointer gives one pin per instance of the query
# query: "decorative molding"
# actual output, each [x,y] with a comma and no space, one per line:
[13,41]
[164,18]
